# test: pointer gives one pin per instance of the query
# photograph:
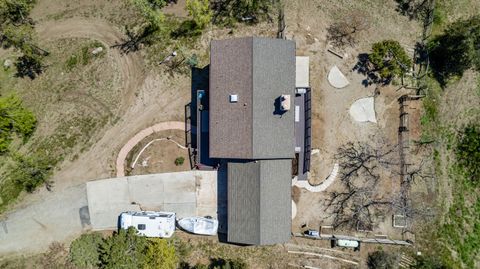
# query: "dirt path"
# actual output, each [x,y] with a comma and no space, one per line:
[130,65]
[163,126]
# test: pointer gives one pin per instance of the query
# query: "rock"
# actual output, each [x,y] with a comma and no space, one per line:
[7,63]
[97,50]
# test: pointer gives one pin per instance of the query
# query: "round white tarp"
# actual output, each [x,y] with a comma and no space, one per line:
[363,110]
[336,78]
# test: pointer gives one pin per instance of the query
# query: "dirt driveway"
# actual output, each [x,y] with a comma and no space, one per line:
[142,102]
[130,65]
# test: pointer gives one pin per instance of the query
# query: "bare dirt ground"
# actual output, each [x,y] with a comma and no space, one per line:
[307,22]
[129,67]
[160,155]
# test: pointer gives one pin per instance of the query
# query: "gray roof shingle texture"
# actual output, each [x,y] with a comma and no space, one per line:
[258,70]
[259,202]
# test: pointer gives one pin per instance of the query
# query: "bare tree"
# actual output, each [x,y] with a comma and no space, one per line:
[402,203]
[345,32]
[359,201]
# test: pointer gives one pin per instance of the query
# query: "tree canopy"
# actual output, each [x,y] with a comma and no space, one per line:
[14,119]
[456,50]
[15,11]
[389,59]
[200,12]
[123,250]
[228,11]
[16,30]
[150,10]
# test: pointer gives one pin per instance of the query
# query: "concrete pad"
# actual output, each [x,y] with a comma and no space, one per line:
[106,200]
[363,110]
[302,72]
[207,194]
[182,210]
[146,190]
[190,193]
[337,79]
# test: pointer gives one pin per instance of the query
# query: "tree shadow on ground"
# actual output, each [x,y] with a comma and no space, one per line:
[135,41]
[413,9]
[364,67]
[28,67]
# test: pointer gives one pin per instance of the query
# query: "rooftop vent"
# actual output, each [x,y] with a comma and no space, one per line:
[233,98]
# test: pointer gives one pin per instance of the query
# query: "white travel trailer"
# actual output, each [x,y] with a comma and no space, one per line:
[149,223]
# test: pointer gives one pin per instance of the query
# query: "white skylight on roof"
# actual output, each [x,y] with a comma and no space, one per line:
[233,98]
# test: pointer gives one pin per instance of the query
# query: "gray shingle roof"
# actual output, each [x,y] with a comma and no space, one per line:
[258,70]
[259,202]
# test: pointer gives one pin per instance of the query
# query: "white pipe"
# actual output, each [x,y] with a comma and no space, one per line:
[149,143]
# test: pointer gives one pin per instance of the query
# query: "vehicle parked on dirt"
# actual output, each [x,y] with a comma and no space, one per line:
[346,243]
[312,233]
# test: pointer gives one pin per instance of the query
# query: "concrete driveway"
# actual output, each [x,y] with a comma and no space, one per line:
[64,214]
[192,193]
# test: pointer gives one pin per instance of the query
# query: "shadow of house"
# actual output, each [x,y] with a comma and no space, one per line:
[197,116]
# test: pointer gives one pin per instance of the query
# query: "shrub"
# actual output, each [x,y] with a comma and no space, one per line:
[72,62]
[84,251]
[380,260]
[14,119]
[228,264]
[179,161]
[220,263]
[468,151]
[428,262]
[160,254]
[55,257]
[31,171]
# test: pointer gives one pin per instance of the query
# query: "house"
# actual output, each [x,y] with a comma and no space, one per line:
[252,105]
